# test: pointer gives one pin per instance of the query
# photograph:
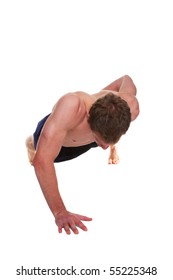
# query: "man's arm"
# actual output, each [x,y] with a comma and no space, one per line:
[123,84]
[49,145]
[126,89]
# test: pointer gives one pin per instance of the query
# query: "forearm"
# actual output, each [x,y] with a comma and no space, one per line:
[48,182]
[115,85]
[124,84]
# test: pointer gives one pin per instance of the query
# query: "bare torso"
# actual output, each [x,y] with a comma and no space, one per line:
[82,134]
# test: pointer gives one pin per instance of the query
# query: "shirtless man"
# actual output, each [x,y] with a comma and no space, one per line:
[78,122]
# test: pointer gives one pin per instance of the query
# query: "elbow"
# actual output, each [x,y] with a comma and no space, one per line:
[135,113]
[36,162]
[131,85]
[42,162]
[127,77]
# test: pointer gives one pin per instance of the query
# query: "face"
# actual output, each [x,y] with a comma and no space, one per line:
[100,142]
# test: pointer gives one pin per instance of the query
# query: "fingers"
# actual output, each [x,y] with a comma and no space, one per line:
[60,229]
[68,228]
[72,226]
[82,226]
[83,218]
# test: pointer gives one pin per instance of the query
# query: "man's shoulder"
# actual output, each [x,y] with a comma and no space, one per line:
[78,100]
[70,108]
[75,98]
[69,101]
[70,97]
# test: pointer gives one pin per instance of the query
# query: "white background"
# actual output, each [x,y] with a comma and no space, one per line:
[49,48]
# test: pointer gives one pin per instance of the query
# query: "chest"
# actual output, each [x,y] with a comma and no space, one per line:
[80,135]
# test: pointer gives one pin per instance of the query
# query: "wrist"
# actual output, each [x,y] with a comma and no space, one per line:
[59,211]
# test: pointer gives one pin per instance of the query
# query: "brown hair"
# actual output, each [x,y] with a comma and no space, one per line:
[110,116]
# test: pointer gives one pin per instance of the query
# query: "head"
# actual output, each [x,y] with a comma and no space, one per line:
[109,117]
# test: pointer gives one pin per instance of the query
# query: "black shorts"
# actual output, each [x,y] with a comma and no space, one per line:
[66,153]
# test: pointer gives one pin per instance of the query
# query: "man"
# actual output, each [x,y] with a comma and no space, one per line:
[78,122]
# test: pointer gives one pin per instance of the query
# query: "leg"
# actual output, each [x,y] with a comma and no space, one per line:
[30,148]
[113,157]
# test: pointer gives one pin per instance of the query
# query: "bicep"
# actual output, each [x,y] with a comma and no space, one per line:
[50,141]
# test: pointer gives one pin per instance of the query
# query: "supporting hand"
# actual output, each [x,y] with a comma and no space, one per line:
[70,221]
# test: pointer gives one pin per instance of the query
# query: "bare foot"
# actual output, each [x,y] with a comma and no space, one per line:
[30,148]
[113,157]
